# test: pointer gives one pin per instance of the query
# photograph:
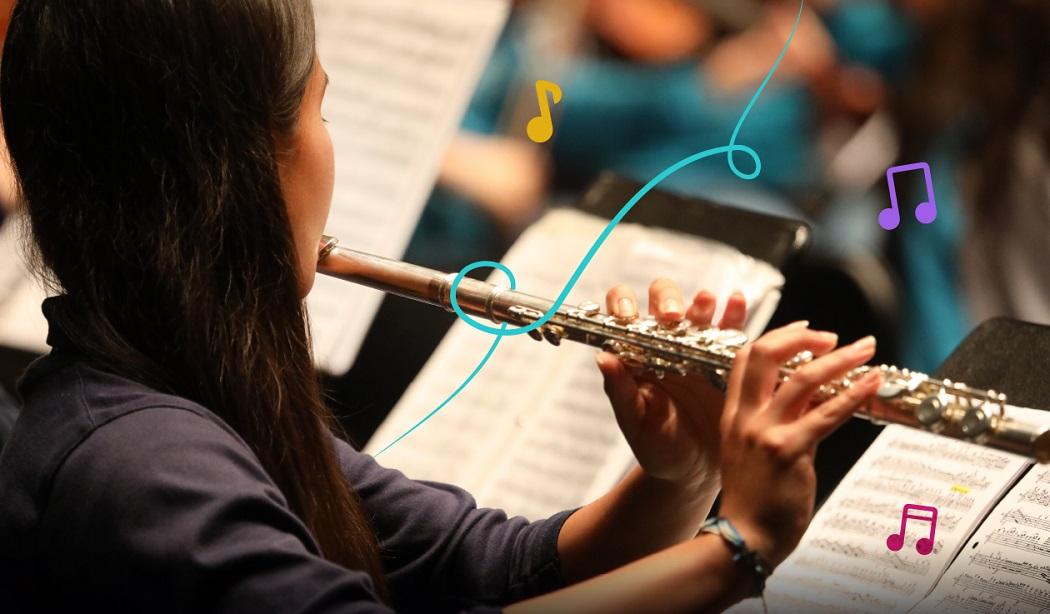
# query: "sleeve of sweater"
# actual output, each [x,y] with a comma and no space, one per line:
[441,550]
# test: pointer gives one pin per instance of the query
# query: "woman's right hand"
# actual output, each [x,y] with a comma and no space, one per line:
[770,433]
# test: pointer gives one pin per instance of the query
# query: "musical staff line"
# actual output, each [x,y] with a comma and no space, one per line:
[1027,520]
[911,490]
[897,464]
[1039,496]
[1009,590]
[956,453]
[998,563]
[867,505]
[863,526]
[823,589]
[865,574]
[896,561]
[1020,540]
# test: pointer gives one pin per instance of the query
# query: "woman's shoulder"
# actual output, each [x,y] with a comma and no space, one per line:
[65,399]
[112,426]
[104,469]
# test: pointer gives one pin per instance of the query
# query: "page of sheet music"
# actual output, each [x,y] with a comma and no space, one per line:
[1005,565]
[534,433]
[402,73]
[843,562]
[22,324]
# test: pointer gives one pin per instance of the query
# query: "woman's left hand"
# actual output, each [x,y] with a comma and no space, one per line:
[671,424]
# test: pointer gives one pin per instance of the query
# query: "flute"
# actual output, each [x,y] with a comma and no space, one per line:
[906,397]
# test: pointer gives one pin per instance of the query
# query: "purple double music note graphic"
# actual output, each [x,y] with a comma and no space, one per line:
[924,545]
[926,212]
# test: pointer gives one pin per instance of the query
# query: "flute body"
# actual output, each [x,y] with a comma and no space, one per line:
[905,397]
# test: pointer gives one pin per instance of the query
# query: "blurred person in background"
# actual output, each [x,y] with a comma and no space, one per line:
[647,83]
[977,108]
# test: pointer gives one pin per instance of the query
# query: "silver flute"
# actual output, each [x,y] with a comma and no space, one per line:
[905,397]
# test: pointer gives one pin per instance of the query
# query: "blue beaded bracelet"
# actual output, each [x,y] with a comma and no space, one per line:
[741,553]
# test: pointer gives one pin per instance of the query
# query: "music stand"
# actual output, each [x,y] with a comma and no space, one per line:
[1006,355]
[776,240]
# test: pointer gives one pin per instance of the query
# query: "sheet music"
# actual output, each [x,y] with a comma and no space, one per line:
[1005,566]
[534,433]
[22,324]
[843,562]
[402,73]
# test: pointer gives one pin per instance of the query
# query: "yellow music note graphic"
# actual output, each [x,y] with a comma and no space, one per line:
[541,127]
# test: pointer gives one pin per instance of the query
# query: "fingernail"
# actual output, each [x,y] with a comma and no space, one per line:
[799,324]
[671,305]
[626,308]
[865,344]
[829,337]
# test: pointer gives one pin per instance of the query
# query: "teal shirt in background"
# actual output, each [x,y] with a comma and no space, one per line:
[934,311]
[638,119]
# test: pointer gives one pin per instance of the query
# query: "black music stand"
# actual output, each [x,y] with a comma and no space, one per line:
[776,240]
[1007,355]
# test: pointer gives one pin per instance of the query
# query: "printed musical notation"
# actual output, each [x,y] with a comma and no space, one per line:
[877,576]
[908,565]
[842,562]
[998,563]
[888,510]
[1037,496]
[1005,566]
[919,488]
[1016,594]
[981,458]
[1031,542]
[541,128]
[925,212]
[966,479]
[857,524]
[1036,522]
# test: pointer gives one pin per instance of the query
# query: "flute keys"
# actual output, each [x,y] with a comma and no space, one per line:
[553,334]
[889,391]
[590,308]
[975,422]
[930,411]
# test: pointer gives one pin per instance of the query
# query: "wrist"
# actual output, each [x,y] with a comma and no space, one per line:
[752,566]
[761,542]
[701,486]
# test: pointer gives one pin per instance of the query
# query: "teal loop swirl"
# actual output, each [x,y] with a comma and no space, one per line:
[731,150]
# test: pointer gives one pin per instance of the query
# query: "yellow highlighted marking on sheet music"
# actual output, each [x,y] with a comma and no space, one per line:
[960,489]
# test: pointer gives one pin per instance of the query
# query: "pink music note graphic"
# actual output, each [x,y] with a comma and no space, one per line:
[924,545]
[926,212]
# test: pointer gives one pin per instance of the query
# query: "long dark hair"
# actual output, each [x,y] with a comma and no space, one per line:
[143,136]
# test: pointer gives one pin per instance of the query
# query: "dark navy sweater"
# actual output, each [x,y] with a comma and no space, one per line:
[114,497]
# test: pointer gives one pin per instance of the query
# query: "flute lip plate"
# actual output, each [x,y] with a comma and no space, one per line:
[328,243]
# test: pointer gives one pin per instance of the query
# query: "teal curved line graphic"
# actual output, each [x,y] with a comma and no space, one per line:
[729,150]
